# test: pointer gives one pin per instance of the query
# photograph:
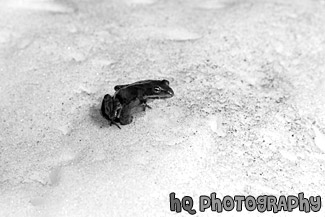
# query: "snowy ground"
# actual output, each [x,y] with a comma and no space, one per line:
[247,118]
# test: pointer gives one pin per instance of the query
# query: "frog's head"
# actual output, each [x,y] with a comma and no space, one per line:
[159,90]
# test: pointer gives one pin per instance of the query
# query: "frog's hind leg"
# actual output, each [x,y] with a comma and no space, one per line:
[113,122]
[106,107]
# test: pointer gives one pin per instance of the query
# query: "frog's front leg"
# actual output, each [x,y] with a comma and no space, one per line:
[144,104]
[126,119]
[126,114]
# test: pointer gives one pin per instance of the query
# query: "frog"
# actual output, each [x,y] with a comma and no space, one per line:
[130,98]
[143,90]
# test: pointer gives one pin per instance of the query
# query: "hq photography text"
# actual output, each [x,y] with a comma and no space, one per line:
[262,203]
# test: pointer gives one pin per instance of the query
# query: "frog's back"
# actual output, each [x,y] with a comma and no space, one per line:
[129,93]
[138,83]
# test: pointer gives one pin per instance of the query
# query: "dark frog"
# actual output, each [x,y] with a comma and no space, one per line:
[130,98]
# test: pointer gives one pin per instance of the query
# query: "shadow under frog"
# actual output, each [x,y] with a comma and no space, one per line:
[97,117]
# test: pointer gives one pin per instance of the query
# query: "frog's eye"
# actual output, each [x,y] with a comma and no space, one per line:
[157,89]
[166,82]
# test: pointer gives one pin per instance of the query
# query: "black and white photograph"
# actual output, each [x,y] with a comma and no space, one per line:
[136,108]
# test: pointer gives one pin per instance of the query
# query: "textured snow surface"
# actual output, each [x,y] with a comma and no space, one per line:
[247,118]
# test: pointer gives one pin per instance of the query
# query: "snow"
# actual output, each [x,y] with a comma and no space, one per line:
[247,117]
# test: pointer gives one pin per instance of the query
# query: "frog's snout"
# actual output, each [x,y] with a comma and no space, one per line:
[170,92]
